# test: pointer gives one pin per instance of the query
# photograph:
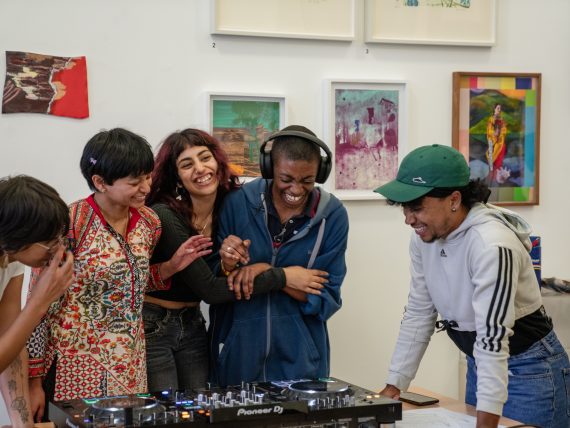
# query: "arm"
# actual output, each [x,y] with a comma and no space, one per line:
[197,275]
[487,420]
[300,281]
[416,328]
[331,259]
[493,304]
[51,284]
[14,379]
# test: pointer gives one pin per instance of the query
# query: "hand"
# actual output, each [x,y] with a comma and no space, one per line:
[391,391]
[194,247]
[234,250]
[37,398]
[307,280]
[502,175]
[54,280]
[241,280]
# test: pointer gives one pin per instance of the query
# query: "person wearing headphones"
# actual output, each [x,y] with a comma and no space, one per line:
[282,220]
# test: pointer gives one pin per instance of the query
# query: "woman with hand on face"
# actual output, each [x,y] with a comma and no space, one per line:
[33,219]
[190,181]
[92,343]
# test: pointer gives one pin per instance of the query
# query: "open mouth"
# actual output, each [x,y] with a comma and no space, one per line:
[291,199]
[206,179]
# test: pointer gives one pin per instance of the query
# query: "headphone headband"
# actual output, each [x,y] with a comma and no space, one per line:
[325,163]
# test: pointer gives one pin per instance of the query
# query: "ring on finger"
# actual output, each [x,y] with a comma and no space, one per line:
[229,249]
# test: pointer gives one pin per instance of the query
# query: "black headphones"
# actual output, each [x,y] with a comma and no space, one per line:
[266,163]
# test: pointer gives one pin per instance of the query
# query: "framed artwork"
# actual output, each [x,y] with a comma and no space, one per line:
[365,125]
[37,83]
[496,125]
[301,19]
[241,123]
[431,22]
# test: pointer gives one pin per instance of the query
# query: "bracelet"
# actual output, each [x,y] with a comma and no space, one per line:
[224,270]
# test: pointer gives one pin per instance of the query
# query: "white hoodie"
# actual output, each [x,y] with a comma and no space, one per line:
[480,276]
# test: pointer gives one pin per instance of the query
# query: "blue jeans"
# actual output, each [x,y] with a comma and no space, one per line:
[539,385]
[176,348]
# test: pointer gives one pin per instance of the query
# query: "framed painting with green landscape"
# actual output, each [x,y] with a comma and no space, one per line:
[496,126]
[242,123]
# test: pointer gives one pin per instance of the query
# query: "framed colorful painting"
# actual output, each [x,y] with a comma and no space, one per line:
[431,22]
[241,122]
[301,19]
[365,125]
[496,125]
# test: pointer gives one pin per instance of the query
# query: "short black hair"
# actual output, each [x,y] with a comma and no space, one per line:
[475,191]
[295,148]
[30,211]
[115,154]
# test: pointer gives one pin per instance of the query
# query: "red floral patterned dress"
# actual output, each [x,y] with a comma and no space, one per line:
[95,332]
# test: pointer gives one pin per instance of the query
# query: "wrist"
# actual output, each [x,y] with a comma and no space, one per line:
[226,270]
[166,270]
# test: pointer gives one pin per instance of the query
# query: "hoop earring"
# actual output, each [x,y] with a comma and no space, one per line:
[178,191]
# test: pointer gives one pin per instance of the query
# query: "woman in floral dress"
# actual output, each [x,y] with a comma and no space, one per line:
[91,343]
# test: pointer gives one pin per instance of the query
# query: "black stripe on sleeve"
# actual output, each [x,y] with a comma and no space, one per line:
[499,302]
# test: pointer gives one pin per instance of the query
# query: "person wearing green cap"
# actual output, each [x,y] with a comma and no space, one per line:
[470,265]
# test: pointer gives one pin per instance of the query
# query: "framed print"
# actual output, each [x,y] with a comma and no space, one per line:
[365,125]
[301,19]
[241,123]
[431,22]
[496,125]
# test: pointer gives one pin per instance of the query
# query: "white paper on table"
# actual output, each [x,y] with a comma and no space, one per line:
[436,417]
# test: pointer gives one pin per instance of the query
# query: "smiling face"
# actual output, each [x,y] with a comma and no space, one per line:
[128,192]
[434,218]
[294,180]
[198,171]
[498,110]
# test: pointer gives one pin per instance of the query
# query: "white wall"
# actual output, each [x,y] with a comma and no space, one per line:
[150,63]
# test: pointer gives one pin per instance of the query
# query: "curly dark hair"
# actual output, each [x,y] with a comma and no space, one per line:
[165,176]
[475,191]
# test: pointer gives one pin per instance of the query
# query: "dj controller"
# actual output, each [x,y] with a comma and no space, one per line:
[326,403]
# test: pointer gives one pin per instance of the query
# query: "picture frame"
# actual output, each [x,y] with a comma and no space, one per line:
[496,126]
[366,128]
[327,20]
[241,122]
[431,22]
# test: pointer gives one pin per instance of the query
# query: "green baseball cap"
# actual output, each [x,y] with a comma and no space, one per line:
[424,169]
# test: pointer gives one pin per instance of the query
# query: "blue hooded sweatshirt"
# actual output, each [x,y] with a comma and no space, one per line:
[273,336]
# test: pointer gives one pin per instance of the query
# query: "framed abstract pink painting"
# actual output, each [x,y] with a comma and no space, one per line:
[365,126]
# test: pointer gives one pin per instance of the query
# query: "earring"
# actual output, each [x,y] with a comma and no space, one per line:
[4,261]
[178,192]
[453,209]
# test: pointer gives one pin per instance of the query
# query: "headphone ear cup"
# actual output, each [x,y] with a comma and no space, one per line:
[325,166]
[266,165]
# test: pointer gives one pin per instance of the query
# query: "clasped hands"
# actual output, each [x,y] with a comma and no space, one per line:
[234,254]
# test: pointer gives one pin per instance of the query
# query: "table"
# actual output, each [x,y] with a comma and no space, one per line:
[450,404]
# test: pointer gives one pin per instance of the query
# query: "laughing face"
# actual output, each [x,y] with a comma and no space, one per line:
[433,218]
[293,183]
[128,191]
[198,171]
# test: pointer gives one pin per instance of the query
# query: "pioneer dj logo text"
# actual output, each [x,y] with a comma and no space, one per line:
[277,410]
